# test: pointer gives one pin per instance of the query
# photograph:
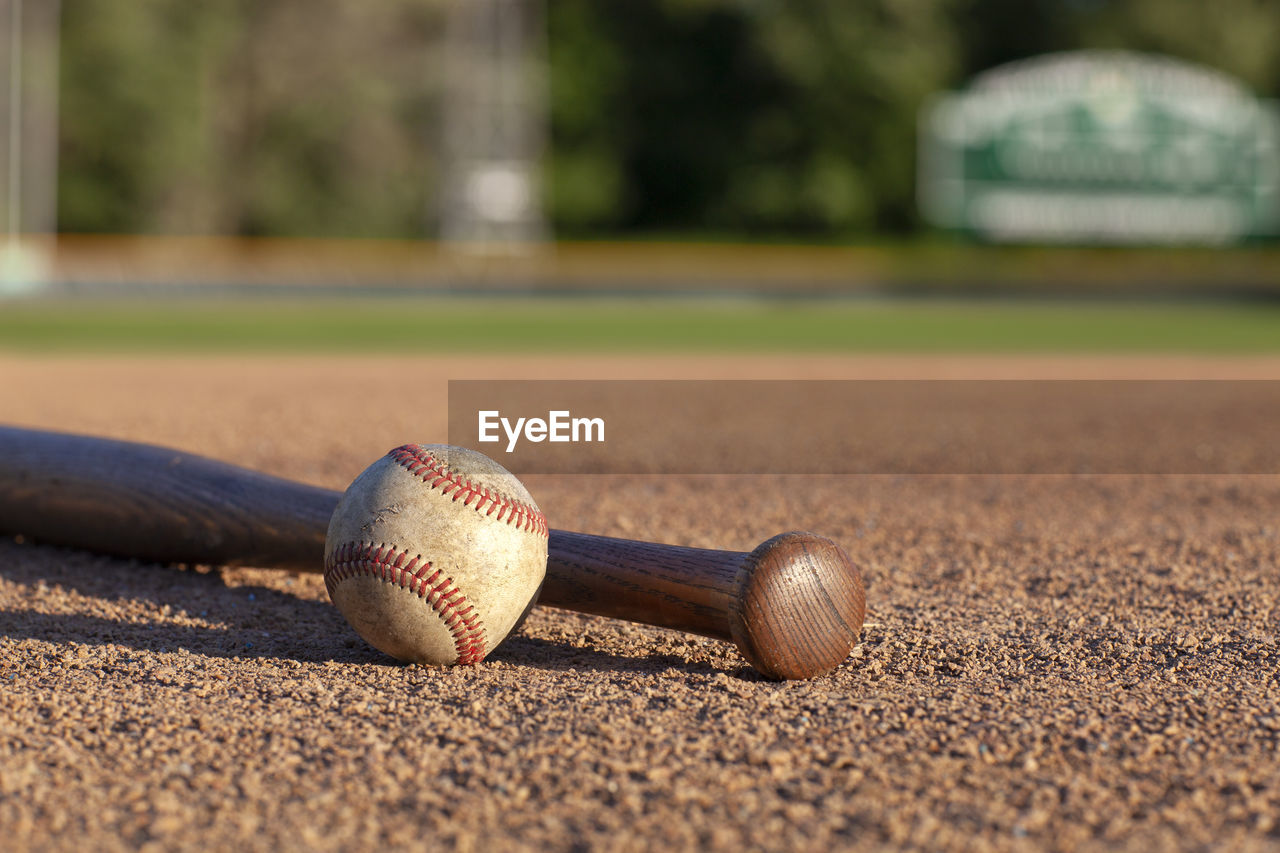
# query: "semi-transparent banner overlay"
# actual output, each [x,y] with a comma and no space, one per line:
[871,427]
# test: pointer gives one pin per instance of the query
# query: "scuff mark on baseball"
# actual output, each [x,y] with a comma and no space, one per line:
[435,553]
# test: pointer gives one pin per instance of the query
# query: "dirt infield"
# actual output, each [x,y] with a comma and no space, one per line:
[1051,662]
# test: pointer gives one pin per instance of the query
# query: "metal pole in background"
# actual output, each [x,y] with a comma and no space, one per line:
[14,206]
[29,38]
[494,126]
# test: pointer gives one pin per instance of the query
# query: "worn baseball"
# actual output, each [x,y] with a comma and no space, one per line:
[435,553]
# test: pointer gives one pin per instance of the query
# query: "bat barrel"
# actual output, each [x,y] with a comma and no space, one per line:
[154,503]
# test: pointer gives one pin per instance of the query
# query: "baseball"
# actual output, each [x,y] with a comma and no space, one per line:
[434,554]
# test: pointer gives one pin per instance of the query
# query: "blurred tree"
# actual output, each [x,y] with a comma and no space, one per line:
[741,118]
[131,108]
[586,183]
[1239,37]
[857,75]
[993,32]
[287,117]
[760,118]
[334,101]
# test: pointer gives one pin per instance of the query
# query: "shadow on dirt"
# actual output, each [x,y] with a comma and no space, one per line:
[166,608]
[525,650]
[69,596]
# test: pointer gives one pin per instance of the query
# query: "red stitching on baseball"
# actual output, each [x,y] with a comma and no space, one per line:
[383,562]
[420,462]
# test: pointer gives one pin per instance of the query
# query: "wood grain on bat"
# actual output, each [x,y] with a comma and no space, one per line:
[794,606]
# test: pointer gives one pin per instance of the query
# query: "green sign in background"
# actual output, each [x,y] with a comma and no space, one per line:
[1100,147]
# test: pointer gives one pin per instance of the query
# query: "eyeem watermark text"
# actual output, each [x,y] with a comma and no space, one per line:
[559,426]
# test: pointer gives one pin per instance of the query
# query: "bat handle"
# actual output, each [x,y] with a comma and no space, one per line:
[798,607]
[794,606]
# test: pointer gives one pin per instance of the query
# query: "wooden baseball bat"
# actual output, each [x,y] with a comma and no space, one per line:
[794,606]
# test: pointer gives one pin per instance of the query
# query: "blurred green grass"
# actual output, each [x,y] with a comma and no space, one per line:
[460,325]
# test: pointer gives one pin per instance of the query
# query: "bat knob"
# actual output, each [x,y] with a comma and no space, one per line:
[798,607]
